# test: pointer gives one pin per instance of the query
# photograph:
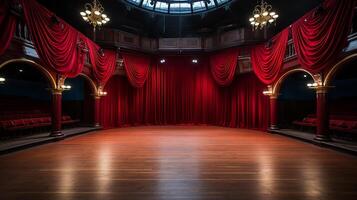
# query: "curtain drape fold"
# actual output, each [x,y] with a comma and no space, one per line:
[103,62]
[321,34]
[56,42]
[7,25]
[137,68]
[223,65]
[267,59]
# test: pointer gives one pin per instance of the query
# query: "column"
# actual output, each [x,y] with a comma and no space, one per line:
[322,115]
[56,113]
[96,110]
[273,100]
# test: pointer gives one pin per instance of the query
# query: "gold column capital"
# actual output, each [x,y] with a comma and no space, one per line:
[273,96]
[57,91]
[322,89]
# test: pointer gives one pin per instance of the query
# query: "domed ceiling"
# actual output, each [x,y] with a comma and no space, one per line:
[178,7]
[179,18]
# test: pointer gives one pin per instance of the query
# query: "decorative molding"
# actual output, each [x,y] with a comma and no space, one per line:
[42,69]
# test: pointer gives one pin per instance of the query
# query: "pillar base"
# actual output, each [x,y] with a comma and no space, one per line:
[322,138]
[273,127]
[56,134]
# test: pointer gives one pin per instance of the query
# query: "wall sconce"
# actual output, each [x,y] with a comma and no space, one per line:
[267,92]
[66,87]
[194,61]
[103,93]
[162,61]
[312,85]
[2,80]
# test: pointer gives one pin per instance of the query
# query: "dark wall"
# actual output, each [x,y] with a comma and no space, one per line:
[21,88]
[77,102]
[296,100]
[343,97]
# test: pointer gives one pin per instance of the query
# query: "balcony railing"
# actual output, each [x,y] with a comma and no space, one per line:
[22,35]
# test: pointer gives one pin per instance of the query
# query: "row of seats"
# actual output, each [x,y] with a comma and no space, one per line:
[12,116]
[340,123]
[30,123]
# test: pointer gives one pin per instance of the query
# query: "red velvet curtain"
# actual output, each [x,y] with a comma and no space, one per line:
[7,25]
[103,61]
[321,34]
[223,65]
[56,42]
[179,92]
[267,59]
[137,68]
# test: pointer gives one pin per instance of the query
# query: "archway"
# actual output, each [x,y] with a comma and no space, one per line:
[342,95]
[25,103]
[295,101]
[78,102]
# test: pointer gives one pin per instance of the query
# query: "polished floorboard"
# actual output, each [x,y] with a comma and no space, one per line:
[178,162]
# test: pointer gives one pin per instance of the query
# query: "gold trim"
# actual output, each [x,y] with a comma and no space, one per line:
[331,74]
[277,84]
[94,87]
[55,92]
[34,64]
[91,82]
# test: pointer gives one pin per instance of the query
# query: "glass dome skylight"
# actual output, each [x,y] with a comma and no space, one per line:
[178,6]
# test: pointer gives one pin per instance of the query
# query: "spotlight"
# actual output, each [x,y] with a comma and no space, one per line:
[21,70]
[195,61]
[305,76]
[162,61]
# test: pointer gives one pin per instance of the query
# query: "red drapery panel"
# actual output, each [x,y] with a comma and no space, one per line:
[223,65]
[267,59]
[7,25]
[56,42]
[103,61]
[321,34]
[179,92]
[137,68]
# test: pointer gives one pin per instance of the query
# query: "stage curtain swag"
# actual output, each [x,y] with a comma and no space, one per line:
[322,33]
[223,65]
[137,68]
[7,25]
[57,43]
[103,62]
[267,59]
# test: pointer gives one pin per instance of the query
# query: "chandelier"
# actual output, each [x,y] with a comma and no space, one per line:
[263,15]
[94,14]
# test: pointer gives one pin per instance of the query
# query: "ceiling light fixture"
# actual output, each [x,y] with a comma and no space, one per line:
[262,16]
[94,14]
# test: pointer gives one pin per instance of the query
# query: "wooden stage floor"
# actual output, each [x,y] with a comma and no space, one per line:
[178,162]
